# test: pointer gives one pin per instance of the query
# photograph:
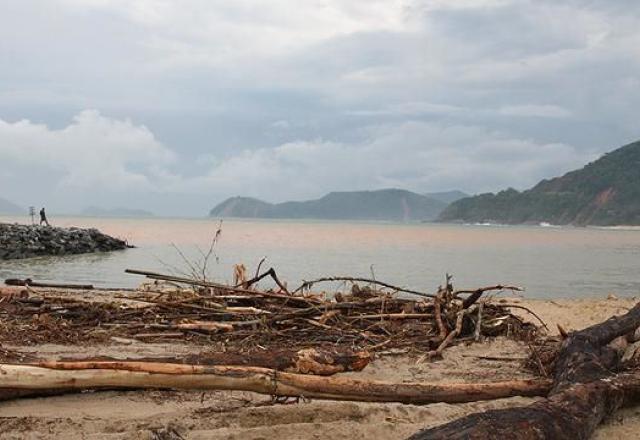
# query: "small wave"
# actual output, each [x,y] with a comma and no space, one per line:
[617,228]
[485,224]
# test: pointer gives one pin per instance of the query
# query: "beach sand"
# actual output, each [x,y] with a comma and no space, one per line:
[240,415]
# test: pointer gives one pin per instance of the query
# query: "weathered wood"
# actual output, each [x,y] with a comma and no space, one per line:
[271,272]
[323,362]
[30,282]
[192,282]
[251,318]
[477,293]
[144,375]
[449,338]
[13,292]
[437,308]
[394,316]
[308,284]
[585,392]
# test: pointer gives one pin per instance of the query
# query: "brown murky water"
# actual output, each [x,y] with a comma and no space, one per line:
[547,261]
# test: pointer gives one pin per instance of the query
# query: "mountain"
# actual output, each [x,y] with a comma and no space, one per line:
[605,192]
[386,204]
[7,207]
[447,196]
[94,211]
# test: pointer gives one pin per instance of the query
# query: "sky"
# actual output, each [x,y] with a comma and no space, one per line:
[174,105]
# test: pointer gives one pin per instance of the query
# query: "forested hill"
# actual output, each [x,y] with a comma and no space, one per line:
[447,196]
[387,204]
[605,192]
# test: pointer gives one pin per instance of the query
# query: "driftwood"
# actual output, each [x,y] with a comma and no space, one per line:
[477,293]
[30,282]
[269,273]
[59,377]
[189,281]
[588,386]
[13,292]
[322,362]
[308,284]
[244,319]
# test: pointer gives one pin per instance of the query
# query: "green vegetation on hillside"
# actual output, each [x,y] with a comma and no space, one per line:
[447,196]
[605,192]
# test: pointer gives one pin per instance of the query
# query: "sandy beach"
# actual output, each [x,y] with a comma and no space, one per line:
[229,415]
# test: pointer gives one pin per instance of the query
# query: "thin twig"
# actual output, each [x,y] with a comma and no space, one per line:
[478,331]
[528,310]
[307,284]
[437,307]
[262,260]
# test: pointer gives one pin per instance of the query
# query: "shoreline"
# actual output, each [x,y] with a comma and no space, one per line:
[22,220]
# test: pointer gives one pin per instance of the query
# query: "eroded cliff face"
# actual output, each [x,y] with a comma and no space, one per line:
[24,241]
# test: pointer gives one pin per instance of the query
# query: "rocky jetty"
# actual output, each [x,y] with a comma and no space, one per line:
[24,241]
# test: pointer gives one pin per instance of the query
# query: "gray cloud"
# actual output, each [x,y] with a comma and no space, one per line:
[198,100]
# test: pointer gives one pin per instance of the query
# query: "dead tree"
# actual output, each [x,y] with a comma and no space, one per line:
[50,377]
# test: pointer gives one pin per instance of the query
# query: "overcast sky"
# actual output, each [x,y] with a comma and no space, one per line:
[174,105]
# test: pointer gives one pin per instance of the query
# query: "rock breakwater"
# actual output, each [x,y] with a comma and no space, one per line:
[25,241]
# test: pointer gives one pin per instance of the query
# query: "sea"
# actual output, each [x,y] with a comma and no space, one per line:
[547,261]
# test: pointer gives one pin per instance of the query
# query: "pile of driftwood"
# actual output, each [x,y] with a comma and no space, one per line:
[583,377]
[308,336]
[589,382]
[372,316]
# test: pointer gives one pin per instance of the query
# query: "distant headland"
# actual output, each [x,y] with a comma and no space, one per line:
[385,204]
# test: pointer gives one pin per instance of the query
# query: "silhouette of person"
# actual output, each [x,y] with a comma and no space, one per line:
[43,218]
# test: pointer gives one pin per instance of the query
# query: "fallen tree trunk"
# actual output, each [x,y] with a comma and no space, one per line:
[64,377]
[321,362]
[585,391]
[31,283]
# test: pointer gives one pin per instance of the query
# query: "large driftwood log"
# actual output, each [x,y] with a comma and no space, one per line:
[31,283]
[79,376]
[586,390]
[321,362]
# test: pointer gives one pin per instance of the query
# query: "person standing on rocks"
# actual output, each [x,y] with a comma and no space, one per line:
[43,218]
